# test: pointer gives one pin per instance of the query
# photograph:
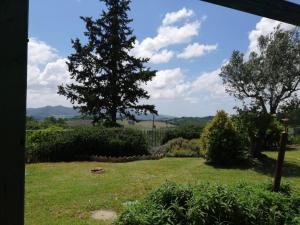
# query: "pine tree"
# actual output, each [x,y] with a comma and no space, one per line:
[107,77]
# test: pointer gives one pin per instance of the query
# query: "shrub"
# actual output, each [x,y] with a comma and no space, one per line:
[273,133]
[185,131]
[180,147]
[261,130]
[213,204]
[222,143]
[34,124]
[65,145]
[295,139]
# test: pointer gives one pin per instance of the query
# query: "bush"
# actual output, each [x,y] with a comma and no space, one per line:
[213,204]
[34,124]
[66,145]
[222,143]
[180,147]
[294,139]
[261,130]
[273,133]
[185,131]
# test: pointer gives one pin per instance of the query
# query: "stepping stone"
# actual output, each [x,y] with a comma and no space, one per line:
[104,215]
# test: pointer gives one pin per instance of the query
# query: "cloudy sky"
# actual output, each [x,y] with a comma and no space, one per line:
[187,43]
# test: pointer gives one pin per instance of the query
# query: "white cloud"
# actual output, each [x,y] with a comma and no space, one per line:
[163,56]
[39,52]
[210,83]
[167,84]
[167,35]
[196,50]
[173,17]
[46,70]
[172,85]
[264,27]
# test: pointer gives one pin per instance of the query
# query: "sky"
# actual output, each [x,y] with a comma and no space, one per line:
[187,42]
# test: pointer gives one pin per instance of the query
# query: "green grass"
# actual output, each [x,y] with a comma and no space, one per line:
[66,193]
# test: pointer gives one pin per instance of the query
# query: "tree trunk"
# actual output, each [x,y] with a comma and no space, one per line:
[113,122]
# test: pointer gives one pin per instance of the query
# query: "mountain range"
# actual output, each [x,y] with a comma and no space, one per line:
[68,112]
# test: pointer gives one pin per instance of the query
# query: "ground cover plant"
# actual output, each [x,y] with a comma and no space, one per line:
[207,204]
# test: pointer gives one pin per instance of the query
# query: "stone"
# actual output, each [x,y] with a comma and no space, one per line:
[104,215]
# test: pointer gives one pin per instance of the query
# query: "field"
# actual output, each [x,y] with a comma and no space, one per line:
[146,124]
[67,193]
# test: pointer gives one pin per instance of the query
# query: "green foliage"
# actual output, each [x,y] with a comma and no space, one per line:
[213,205]
[261,131]
[267,79]
[273,133]
[190,131]
[295,139]
[52,121]
[182,121]
[180,147]
[33,124]
[221,141]
[65,145]
[108,79]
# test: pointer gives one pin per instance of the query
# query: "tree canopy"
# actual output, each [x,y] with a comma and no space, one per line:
[267,78]
[108,79]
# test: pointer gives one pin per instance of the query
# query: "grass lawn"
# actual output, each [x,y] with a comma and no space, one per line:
[67,193]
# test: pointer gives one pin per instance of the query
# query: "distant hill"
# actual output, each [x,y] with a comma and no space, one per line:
[55,111]
[179,121]
[67,112]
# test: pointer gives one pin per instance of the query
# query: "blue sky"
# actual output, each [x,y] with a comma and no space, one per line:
[187,41]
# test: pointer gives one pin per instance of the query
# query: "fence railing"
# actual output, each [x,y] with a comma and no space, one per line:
[154,136]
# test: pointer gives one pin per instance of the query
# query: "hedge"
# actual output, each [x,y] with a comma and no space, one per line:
[67,145]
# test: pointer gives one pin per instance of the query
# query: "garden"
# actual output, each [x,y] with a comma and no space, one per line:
[183,172]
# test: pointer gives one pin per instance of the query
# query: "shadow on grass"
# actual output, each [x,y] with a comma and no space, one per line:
[267,165]
[264,165]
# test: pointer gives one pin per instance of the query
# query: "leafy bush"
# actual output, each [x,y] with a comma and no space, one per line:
[295,139]
[34,124]
[180,147]
[186,131]
[213,204]
[65,145]
[273,133]
[261,131]
[221,141]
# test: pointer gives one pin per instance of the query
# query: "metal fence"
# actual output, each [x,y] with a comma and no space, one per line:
[155,136]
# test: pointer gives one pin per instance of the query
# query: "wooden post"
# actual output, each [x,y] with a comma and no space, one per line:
[13,76]
[153,125]
[280,160]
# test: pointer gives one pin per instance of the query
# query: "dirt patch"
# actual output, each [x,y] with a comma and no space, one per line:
[104,215]
[97,170]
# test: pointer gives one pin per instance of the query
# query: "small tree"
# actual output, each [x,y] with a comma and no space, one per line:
[107,77]
[221,141]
